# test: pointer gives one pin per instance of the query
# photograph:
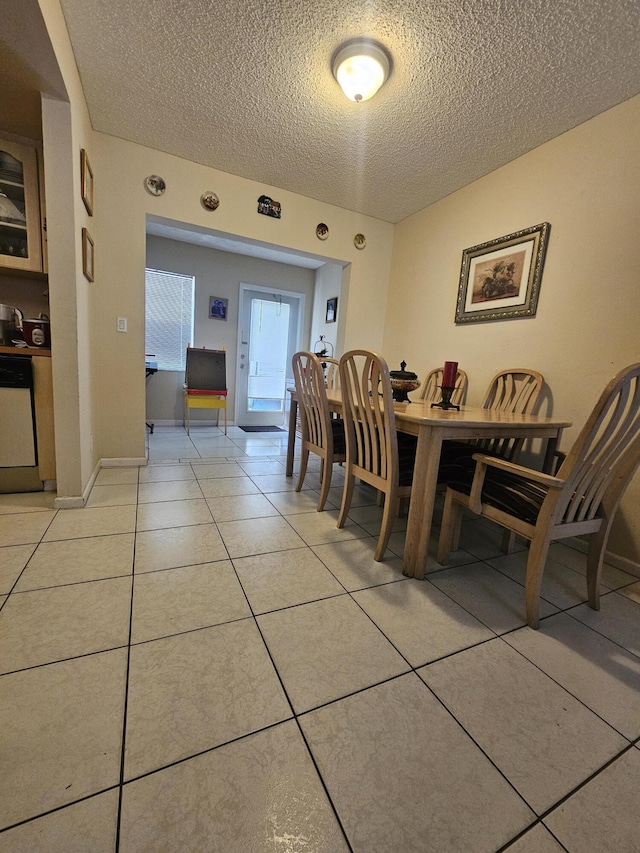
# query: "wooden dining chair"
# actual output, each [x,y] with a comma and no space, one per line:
[321,434]
[431,387]
[516,391]
[376,453]
[332,373]
[582,498]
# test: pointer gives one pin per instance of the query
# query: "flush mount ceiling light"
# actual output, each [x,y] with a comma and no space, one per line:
[361,66]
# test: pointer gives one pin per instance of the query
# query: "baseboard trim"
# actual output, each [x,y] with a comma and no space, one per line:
[615,560]
[69,502]
[194,422]
[124,462]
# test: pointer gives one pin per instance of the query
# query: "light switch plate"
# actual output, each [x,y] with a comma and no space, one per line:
[121,325]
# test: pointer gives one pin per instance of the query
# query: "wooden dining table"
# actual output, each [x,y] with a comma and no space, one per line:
[432,426]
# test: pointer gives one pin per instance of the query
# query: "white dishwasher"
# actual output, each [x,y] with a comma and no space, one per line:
[18,448]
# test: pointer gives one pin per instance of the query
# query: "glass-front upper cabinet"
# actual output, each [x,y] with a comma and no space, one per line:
[20,237]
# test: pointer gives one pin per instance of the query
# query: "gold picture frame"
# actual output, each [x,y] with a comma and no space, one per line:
[86,181]
[500,279]
[88,255]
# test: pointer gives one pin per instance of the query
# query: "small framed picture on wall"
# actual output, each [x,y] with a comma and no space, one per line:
[332,310]
[86,181]
[88,255]
[218,308]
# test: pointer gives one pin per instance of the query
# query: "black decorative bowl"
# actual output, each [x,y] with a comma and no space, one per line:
[403,381]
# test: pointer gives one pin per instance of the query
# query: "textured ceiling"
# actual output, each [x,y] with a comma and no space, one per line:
[245,86]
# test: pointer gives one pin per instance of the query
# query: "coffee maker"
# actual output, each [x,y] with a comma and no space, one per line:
[10,325]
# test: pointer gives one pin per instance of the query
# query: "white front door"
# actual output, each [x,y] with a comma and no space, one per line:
[269,333]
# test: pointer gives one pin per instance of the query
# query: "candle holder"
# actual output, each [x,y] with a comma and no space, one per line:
[446,403]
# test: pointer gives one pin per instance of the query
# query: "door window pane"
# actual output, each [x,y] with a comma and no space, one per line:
[268,355]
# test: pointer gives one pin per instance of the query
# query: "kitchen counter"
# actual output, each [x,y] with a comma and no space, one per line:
[25,351]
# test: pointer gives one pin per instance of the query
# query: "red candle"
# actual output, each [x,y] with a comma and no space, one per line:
[449,374]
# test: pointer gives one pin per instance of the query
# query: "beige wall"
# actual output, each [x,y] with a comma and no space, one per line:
[67,129]
[120,168]
[330,282]
[586,183]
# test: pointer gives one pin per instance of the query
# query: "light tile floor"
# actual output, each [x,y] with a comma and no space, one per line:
[198,660]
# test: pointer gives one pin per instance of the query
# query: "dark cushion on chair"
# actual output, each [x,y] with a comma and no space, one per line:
[456,461]
[339,442]
[407,445]
[503,490]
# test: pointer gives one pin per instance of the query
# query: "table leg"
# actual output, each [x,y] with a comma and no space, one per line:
[423,493]
[291,440]
[549,460]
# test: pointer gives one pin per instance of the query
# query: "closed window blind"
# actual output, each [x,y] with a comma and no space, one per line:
[169,299]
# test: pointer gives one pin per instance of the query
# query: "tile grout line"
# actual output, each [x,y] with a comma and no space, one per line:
[127,674]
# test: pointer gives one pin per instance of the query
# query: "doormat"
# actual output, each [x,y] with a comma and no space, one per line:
[262,429]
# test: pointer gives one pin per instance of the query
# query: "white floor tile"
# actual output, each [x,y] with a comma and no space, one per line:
[535,735]
[91,521]
[237,507]
[181,513]
[62,724]
[87,825]
[176,600]
[603,815]
[13,559]
[24,528]
[490,596]
[194,691]
[421,622]
[327,649]
[598,672]
[617,619]
[78,560]
[317,528]
[178,546]
[404,776]
[113,495]
[284,579]
[258,536]
[351,561]
[61,622]
[536,840]
[259,793]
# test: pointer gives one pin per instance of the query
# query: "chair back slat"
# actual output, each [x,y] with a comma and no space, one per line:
[606,454]
[516,391]
[332,373]
[368,412]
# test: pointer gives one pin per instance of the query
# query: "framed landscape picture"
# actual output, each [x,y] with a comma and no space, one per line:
[500,279]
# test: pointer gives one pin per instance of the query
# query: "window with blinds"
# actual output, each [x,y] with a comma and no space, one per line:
[169,301]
